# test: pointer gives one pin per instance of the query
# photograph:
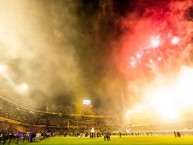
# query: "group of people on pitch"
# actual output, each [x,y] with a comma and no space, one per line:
[177,134]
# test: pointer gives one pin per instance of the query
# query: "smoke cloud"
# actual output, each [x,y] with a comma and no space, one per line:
[70,50]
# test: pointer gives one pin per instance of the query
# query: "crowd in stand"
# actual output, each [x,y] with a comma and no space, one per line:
[11,113]
[21,124]
[15,112]
[18,124]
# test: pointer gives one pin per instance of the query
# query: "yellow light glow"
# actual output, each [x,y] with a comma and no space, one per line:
[24,87]
[183,89]
[173,99]
[2,68]
[165,106]
[139,107]
[129,111]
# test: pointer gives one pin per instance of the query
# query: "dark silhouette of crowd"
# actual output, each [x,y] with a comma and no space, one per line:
[19,124]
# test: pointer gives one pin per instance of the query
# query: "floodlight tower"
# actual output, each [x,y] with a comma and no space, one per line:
[123,121]
[86,102]
[86,105]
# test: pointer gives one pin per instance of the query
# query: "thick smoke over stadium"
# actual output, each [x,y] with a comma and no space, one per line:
[60,49]
[111,52]
[36,50]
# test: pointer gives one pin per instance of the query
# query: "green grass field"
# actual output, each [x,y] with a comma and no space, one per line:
[115,140]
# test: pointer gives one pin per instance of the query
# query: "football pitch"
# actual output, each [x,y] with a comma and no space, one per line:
[116,140]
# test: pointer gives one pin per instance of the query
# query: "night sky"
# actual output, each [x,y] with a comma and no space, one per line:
[69,50]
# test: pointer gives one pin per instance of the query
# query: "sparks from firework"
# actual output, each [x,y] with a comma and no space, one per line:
[151,61]
[166,45]
[133,64]
[138,56]
[175,40]
[148,53]
[155,42]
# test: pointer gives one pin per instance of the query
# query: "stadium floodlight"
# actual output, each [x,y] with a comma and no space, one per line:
[24,87]
[2,68]
[86,102]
